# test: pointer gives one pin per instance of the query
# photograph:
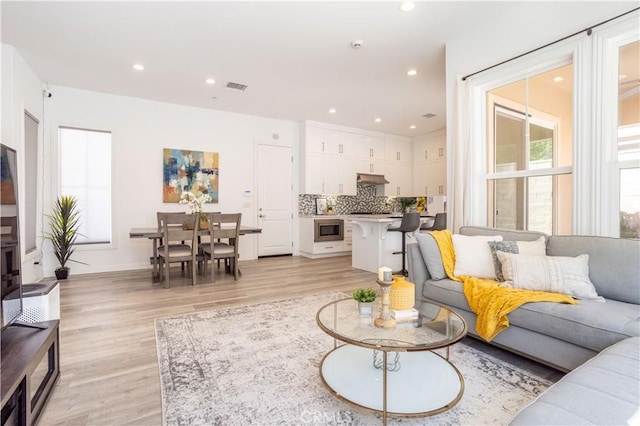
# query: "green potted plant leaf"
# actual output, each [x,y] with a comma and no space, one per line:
[407,203]
[365,298]
[63,224]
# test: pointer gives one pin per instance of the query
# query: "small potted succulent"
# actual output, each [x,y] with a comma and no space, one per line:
[365,298]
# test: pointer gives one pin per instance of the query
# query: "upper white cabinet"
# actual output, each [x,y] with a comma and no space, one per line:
[430,165]
[327,162]
[314,140]
[397,150]
[370,148]
[397,155]
[331,158]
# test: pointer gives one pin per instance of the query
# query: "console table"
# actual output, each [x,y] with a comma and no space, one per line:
[30,368]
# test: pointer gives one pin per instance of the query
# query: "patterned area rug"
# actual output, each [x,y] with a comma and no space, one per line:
[259,365]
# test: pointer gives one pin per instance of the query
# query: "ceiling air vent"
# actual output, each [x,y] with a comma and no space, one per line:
[236,86]
[430,115]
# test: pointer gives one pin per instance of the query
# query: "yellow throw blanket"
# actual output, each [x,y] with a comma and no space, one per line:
[487,298]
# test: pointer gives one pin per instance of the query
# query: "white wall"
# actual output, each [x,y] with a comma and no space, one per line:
[21,90]
[140,130]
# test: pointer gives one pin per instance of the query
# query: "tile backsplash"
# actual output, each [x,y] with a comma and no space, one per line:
[366,200]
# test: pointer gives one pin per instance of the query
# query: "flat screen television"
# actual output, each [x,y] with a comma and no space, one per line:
[11,290]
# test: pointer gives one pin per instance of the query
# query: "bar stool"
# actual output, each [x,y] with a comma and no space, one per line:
[410,223]
[439,223]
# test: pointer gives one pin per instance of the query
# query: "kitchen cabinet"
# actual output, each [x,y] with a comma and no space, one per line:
[314,140]
[370,148]
[329,174]
[433,148]
[398,165]
[397,150]
[436,178]
[371,167]
[430,166]
[341,143]
[313,178]
[317,250]
[399,177]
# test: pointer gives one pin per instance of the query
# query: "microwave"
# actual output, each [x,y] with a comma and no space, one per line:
[328,230]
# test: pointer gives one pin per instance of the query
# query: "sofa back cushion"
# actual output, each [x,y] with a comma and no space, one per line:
[614,263]
[507,234]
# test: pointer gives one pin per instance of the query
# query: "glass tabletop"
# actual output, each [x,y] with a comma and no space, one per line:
[435,327]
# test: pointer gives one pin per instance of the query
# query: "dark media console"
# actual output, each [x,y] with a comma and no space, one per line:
[30,366]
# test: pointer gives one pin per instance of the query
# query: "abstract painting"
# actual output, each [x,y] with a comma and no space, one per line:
[194,171]
[7,191]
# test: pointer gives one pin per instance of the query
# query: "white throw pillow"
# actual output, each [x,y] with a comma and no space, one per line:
[473,255]
[537,247]
[554,274]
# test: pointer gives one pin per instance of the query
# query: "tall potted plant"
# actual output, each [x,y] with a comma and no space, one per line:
[64,222]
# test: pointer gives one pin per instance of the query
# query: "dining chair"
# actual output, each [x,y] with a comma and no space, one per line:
[161,241]
[222,226]
[176,233]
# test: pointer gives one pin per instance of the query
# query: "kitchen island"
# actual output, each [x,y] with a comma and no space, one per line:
[374,245]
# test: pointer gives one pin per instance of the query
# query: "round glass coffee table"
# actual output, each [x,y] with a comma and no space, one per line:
[392,371]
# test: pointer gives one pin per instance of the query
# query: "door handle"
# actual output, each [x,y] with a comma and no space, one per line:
[261,215]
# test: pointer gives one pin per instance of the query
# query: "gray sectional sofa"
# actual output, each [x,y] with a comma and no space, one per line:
[560,335]
[604,391]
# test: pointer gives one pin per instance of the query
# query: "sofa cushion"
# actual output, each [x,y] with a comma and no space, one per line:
[555,274]
[590,324]
[507,234]
[604,390]
[431,255]
[614,266]
[473,255]
[446,291]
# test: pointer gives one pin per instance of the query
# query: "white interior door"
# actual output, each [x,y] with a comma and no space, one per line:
[275,189]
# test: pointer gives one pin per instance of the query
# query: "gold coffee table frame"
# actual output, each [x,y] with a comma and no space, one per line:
[352,371]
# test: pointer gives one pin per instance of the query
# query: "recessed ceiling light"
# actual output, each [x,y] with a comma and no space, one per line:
[413,126]
[138,67]
[412,72]
[558,79]
[210,81]
[332,111]
[406,6]
[377,120]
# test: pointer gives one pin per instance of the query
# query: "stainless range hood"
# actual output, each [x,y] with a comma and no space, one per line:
[375,179]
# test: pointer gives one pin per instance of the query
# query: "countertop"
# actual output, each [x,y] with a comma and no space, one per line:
[369,217]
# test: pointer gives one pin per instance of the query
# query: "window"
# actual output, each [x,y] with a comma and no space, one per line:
[629,139]
[85,172]
[31,181]
[530,153]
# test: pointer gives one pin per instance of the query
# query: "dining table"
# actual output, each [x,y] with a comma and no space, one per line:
[155,234]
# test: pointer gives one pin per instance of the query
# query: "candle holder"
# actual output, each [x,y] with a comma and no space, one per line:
[385,320]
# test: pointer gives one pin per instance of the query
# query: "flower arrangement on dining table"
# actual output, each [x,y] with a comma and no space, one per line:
[194,201]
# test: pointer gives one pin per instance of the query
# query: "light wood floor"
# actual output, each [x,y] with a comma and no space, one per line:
[108,361]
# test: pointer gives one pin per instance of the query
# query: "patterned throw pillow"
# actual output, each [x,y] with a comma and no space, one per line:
[504,246]
[537,247]
[555,274]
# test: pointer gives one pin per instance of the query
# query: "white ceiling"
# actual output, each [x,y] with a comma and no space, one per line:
[295,57]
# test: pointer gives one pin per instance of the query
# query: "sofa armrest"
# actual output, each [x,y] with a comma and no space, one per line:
[418,272]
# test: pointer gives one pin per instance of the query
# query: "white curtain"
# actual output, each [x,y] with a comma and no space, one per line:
[461,191]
